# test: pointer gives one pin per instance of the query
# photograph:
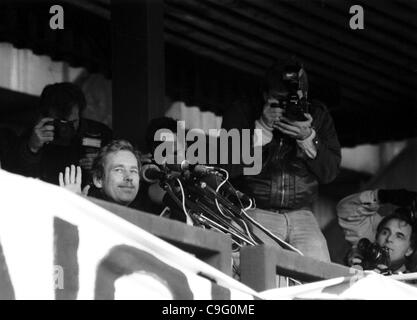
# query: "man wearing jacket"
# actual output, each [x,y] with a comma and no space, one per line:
[297,155]
[61,136]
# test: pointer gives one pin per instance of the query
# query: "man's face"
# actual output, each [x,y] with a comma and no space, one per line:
[73,117]
[121,177]
[396,236]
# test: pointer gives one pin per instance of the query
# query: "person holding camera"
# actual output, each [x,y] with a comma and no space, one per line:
[300,150]
[61,136]
[381,243]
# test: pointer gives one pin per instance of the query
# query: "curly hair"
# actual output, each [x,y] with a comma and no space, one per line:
[113,146]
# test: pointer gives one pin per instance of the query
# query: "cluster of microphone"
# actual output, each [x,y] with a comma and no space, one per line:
[211,176]
[202,196]
[153,172]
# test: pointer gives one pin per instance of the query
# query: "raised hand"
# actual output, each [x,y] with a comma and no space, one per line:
[71,180]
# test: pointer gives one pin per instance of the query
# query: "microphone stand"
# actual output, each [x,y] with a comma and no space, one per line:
[206,194]
[238,213]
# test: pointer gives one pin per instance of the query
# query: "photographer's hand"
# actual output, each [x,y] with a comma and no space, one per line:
[72,180]
[299,130]
[42,134]
[354,259]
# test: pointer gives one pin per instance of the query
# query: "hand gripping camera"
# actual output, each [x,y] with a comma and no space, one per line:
[294,80]
[64,132]
[373,255]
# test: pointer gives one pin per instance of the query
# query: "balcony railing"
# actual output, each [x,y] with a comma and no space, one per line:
[259,265]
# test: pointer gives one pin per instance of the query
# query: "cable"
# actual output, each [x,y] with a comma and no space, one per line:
[188,218]
[250,205]
[217,190]
[227,231]
[226,180]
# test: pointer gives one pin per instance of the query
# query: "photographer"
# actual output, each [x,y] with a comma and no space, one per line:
[395,233]
[300,149]
[60,137]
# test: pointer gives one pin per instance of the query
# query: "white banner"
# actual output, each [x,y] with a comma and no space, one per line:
[370,286]
[58,245]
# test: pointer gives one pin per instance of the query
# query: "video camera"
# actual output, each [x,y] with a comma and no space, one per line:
[294,106]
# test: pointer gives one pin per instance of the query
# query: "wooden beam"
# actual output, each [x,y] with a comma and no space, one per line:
[201,49]
[391,49]
[314,52]
[401,12]
[91,7]
[384,17]
[407,5]
[228,47]
[278,51]
[336,42]
[138,71]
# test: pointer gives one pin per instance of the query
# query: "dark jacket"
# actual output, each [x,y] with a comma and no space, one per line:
[8,140]
[289,179]
[52,159]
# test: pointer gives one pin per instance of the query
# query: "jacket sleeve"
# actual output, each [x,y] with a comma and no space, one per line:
[358,216]
[25,161]
[325,166]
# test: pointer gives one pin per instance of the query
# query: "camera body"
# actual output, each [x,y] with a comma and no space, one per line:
[373,254]
[294,106]
[64,131]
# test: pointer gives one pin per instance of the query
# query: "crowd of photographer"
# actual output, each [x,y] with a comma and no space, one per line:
[300,150]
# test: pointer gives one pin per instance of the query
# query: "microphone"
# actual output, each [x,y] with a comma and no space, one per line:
[183,166]
[200,170]
[227,188]
[151,173]
[195,169]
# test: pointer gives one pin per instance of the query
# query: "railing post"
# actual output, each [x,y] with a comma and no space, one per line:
[260,266]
